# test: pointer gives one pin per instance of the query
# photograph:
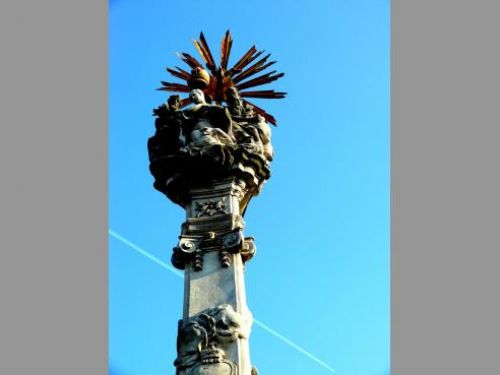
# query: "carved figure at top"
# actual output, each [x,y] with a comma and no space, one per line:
[265,137]
[216,130]
[168,113]
[207,124]
[234,102]
[196,97]
[174,103]
[249,110]
[168,123]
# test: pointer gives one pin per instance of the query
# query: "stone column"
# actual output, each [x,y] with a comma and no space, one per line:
[212,250]
[212,173]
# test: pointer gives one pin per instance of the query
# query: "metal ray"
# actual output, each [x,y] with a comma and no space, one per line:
[205,54]
[168,86]
[225,50]
[204,43]
[254,69]
[182,74]
[263,94]
[247,55]
[268,117]
[261,80]
[190,60]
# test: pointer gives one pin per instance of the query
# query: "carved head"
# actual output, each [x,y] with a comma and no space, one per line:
[249,111]
[197,96]
[232,94]
[174,102]
[205,135]
[234,101]
[230,325]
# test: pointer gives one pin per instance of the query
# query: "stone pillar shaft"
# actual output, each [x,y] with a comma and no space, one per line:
[212,251]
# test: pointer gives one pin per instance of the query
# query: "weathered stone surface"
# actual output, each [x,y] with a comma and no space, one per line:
[212,160]
[210,341]
[214,222]
[207,143]
[221,368]
[214,270]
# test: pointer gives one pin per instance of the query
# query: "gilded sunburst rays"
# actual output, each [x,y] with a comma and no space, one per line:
[218,79]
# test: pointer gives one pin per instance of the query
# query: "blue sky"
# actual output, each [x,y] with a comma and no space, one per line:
[321,275]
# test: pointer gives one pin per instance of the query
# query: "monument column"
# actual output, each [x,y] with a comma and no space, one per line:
[212,250]
[212,158]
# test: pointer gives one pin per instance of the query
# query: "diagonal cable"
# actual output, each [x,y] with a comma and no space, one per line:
[257,322]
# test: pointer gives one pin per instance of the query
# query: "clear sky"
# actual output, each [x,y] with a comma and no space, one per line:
[322,270]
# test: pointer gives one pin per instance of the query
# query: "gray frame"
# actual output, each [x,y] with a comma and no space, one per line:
[445,187]
[445,184]
[54,187]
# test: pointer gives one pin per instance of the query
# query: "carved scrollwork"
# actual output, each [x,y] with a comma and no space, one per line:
[231,242]
[189,245]
[203,338]
[188,249]
[249,249]
[192,248]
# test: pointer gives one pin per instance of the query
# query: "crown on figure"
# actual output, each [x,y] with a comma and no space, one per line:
[199,78]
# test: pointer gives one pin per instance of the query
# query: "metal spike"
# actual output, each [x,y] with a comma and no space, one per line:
[261,80]
[239,76]
[265,94]
[246,56]
[205,55]
[225,49]
[167,86]
[200,50]
[254,69]
[250,59]
[204,43]
[190,60]
[182,75]
[183,71]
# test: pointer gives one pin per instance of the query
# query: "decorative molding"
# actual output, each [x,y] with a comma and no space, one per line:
[210,208]
[192,247]
[224,367]
[221,223]
[248,249]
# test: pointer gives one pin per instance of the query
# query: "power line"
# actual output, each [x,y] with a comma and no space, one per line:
[257,322]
